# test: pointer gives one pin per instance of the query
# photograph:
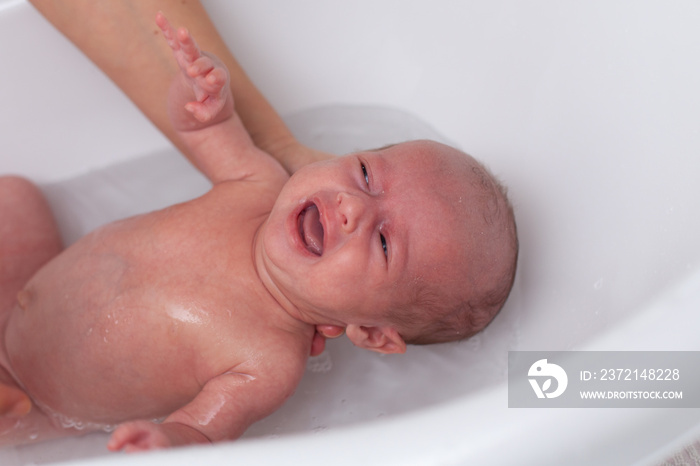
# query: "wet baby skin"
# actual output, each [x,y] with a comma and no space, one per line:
[160,316]
[202,315]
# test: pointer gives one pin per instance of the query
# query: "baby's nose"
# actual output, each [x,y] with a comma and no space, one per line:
[351,209]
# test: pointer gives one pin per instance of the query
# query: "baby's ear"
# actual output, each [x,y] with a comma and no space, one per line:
[384,340]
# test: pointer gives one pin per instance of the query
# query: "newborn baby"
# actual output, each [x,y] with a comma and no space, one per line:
[201,316]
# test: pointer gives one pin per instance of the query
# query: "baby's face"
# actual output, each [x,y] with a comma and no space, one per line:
[348,238]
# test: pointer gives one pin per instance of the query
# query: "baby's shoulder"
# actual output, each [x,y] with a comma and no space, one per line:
[252,194]
[275,359]
[285,355]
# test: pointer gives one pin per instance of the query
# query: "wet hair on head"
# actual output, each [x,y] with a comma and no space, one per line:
[434,315]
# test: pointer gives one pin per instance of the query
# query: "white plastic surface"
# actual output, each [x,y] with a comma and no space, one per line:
[588,111]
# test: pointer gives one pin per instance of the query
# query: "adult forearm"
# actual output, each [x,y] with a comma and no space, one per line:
[121,38]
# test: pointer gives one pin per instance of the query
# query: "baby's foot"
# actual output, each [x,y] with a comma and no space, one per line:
[206,75]
[13,402]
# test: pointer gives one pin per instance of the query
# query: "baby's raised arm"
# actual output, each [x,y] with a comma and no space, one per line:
[201,108]
[118,38]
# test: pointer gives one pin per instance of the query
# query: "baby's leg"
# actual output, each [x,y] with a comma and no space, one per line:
[29,238]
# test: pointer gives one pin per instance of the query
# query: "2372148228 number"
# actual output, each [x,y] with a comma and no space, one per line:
[639,374]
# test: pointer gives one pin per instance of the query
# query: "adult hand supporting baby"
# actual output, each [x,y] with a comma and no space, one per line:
[118,38]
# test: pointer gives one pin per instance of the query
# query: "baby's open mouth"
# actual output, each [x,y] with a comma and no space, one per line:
[311,229]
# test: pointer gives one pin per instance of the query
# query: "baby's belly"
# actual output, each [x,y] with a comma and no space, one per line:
[91,341]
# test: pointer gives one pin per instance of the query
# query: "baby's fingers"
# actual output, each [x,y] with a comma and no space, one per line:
[188,46]
[138,436]
[212,82]
[200,67]
[180,41]
[168,31]
[205,111]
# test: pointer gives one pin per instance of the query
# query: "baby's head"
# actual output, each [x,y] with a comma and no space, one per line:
[414,243]
[470,268]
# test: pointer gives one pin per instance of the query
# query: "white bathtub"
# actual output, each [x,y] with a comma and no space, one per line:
[588,111]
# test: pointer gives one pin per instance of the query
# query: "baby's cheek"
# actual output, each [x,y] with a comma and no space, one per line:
[348,284]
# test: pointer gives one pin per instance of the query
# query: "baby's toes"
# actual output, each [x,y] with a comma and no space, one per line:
[13,402]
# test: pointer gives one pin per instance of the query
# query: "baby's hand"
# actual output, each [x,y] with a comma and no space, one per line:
[143,435]
[138,436]
[206,75]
